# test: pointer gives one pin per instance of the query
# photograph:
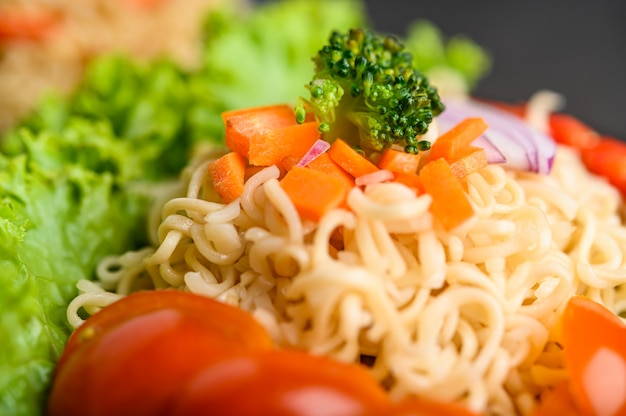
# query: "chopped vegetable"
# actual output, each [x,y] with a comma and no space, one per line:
[594,341]
[450,206]
[313,192]
[608,158]
[350,160]
[455,143]
[244,125]
[366,87]
[272,146]
[324,163]
[491,151]
[399,162]
[569,130]
[524,147]
[288,162]
[557,401]
[475,160]
[318,148]
[228,175]
[411,181]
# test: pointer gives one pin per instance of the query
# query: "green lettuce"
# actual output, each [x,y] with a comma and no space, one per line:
[61,211]
[459,54]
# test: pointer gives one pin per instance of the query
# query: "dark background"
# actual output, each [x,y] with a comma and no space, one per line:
[576,48]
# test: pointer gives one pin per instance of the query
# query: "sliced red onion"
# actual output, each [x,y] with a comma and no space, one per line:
[319,147]
[379,176]
[494,155]
[523,147]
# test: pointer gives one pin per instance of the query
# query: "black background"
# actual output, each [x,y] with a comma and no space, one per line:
[576,48]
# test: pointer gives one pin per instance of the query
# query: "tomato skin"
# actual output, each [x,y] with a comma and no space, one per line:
[589,330]
[282,382]
[569,130]
[230,324]
[558,401]
[608,159]
[134,361]
[426,407]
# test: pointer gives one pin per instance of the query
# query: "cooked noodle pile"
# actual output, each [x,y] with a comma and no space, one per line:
[462,316]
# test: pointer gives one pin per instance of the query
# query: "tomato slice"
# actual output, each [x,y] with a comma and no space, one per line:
[233,325]
[425,407]
[608,159]
[132,357]
[282,382]
[558,401]
[594,351]
[569,130]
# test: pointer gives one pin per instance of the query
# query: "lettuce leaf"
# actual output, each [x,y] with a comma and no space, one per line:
[265,57]
[58,202]
[459,54]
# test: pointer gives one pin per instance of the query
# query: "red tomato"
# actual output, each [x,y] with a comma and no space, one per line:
[175,353]
[424,407]
[568,130]
[132,357]
[594,341]
[557,401]
[289,383]
[608,159]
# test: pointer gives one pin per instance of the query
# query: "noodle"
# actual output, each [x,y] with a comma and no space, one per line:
[463,316]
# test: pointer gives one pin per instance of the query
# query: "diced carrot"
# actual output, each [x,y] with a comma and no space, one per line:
[243,124]
[594,352]
[271,147]
[557,401]
[290,161]
[324,163]
[313,192]
[568,130]
[453,144]
[608,158]
[18,24]
[251,171]
[410,180]
[450,206]
[476,159]
[349,159]
[398,161]
[228,174]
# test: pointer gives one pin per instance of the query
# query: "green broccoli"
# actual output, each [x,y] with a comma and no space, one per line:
[365,86]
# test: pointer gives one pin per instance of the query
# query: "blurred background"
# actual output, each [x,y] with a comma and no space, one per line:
[576,48]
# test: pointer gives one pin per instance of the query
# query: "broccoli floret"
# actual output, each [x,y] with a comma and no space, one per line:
[365,87]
